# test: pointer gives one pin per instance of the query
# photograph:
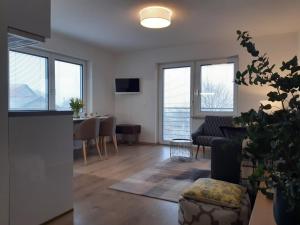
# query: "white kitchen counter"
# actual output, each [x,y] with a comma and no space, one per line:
[41,166]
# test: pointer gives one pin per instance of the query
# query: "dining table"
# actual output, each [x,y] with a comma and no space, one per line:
[81,119]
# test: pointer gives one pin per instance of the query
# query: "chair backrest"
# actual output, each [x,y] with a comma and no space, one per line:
[108,126]
[212,125]
[88,129]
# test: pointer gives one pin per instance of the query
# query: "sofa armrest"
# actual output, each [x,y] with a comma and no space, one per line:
[220,142]
[197,133]
[225,160]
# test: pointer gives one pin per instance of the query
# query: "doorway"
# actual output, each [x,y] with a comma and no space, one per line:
[175,102]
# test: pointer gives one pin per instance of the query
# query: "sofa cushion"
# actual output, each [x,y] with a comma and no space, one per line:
[215,192]
[234,132]
[205,140]
[212,125]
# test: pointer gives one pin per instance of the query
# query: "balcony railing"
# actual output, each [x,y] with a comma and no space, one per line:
[176,123]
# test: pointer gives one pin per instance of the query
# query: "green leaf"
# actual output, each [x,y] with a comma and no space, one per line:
[267,107]
[274,96]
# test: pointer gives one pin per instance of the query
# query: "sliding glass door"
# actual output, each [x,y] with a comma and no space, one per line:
[175,98]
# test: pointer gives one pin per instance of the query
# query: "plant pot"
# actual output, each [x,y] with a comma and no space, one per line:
[282,215]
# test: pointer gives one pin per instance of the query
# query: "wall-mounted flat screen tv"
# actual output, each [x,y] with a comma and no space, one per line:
[127,85]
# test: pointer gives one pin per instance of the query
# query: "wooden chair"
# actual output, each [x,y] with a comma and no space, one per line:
[108,129]
[88,130]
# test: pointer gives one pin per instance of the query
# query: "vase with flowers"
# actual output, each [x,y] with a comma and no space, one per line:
[76,105]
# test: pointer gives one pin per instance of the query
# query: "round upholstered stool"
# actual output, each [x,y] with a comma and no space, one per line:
[192,212]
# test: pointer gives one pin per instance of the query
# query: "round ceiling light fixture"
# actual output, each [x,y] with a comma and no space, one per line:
[155,17]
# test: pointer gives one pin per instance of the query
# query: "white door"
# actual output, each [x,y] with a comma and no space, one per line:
[175,102]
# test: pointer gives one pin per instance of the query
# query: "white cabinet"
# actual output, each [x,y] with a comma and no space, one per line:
[31,16]
[4,161]
[41,167]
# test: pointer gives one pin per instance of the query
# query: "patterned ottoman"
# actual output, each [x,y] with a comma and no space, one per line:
[192,212]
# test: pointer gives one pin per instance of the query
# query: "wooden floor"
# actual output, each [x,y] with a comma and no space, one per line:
[95,203]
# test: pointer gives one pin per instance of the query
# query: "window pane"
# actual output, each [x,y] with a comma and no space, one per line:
[68,83]
[217,88]
[176,103]
[28,89]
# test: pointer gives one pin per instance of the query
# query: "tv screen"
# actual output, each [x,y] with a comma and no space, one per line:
[129,85]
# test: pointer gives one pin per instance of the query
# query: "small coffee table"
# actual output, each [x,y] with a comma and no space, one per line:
[181,149]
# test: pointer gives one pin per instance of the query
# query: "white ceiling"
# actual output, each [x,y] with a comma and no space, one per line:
[114,24]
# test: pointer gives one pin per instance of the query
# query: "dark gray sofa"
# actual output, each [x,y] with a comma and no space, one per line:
[225,160]
[209,130]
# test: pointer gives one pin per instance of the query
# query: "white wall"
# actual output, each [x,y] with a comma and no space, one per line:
[142,108]
[100,70]
[4,162]
[298,48]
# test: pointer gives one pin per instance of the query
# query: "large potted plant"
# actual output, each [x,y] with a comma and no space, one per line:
[274,138]
[76,105]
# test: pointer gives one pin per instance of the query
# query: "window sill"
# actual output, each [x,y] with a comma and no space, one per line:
[38,113]
[201,115]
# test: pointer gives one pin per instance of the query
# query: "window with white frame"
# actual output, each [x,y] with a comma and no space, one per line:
[40,80]
[28,82]
[195,88]
[68,83]
[214,88]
